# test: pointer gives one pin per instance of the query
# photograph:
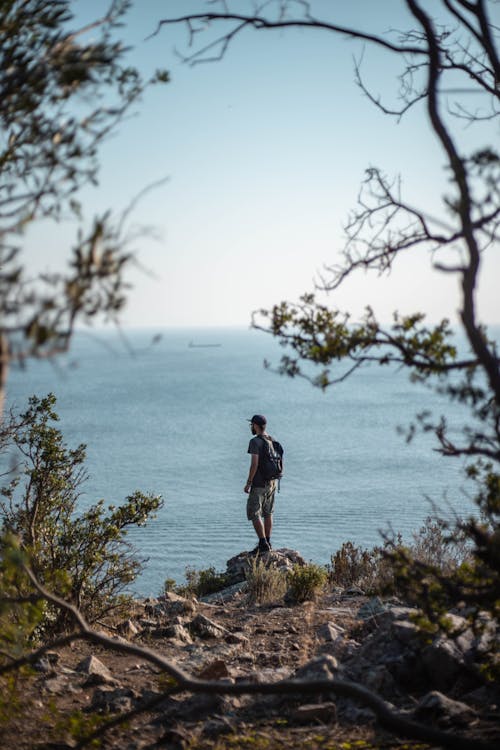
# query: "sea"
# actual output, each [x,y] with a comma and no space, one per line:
[165,411]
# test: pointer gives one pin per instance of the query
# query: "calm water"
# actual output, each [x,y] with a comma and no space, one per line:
[170,419]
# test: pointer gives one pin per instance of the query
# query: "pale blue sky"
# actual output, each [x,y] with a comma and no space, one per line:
[264,153]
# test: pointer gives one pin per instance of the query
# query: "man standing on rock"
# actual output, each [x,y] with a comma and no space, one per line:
[261,490]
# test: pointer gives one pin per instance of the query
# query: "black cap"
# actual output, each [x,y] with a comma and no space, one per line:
[258,419]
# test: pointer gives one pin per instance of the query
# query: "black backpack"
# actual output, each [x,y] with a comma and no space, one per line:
[271,460]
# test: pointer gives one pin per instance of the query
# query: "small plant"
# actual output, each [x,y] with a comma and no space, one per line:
[265,583]
[352,565]
[203,582]
[169,585]
[435,544]
[306,582]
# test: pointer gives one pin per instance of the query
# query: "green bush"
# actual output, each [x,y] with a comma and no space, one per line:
[265,583]
[201,582]
[306,582]
[85,558]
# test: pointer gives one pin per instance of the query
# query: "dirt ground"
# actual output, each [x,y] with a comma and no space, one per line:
[50,709]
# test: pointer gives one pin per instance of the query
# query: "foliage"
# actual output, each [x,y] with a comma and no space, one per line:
[373,569]
[265,583]
[354,566]
[63,90]
[83,557]
[201,582]
[306,582]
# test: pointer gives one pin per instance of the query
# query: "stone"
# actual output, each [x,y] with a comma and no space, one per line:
[177,631]
[174,604]
[59,685]
[406,632]
[206,628]
[371,608]
[225,595]
[237,639]
[117,701]
[47,662]
[93,667]
[443,662]
[129,629]
[324,667]
[215,670]
[379,679]
[313,712]
[330,631]
[435,706]
[354,591]
[282,559]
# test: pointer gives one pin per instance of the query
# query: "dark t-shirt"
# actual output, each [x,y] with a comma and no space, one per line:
[255,447]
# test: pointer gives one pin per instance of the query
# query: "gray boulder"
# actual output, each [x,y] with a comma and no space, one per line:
[438,708]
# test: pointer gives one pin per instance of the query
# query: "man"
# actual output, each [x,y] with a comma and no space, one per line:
[260,503]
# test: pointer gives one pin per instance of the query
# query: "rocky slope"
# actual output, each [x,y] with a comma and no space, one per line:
[344,636]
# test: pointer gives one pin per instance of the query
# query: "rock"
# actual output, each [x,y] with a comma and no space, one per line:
[466,642]
[175,631]
[153,608]
[283,559]
[238,566]
[147,624]
[443,662]
[371,608]
[206,628]
[225,595]
[237,639]
[354,591]
[59,685]
[96,670]
[128,629]
[324,667]
[47,662]
[117,701]
[439,708]
[379,679]
[313,712]
[265,675]
[330,632]
[457,623]
[406,632]
[215,670]
[488,639]
[174,604]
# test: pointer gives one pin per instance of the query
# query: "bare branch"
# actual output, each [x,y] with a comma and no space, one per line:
[261,23]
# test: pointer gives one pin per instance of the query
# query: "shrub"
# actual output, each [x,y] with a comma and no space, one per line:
[266,583]
[354,566]
[83,558]
[305,582]
[434,545]
[203,582]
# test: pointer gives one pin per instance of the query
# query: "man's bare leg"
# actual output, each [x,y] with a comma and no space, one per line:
[268,526]
[259,528]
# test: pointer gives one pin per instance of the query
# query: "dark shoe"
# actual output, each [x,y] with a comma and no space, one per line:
[261,548]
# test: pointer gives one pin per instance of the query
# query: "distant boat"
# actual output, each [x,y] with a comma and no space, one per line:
[192,345]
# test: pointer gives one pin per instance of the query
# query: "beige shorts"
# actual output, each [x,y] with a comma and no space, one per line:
[260,503]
